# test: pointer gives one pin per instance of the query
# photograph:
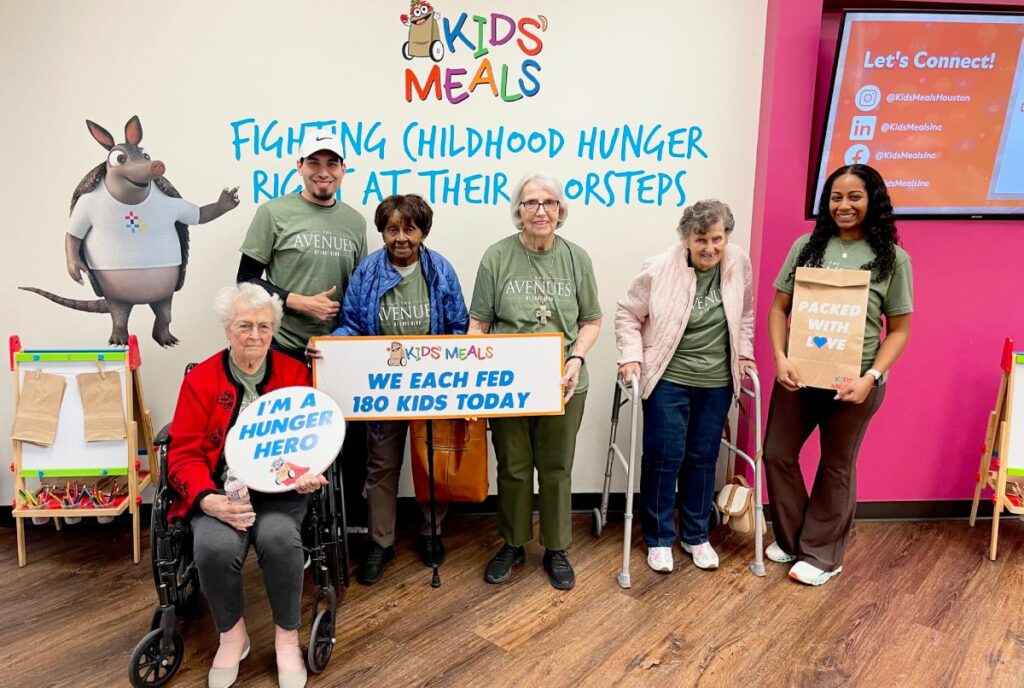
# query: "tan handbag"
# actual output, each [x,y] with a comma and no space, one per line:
[460,460]
[35,419]
[736,504]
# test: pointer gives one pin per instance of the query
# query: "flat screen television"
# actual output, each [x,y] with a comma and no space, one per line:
[935,102]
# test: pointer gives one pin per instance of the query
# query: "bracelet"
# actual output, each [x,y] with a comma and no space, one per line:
[582,360]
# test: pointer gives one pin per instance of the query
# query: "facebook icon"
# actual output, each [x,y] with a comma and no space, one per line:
[857,154]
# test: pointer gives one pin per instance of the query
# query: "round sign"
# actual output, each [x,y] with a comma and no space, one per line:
[284,435]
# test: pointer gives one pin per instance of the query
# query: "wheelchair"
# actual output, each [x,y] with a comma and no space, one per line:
[158,655]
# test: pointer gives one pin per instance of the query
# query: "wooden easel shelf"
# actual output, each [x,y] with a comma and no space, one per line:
[59,460]
[998,469]
[121,505]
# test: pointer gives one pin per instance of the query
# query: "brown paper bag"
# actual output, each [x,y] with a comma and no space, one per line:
[35,420]
[102,405]
[826,331]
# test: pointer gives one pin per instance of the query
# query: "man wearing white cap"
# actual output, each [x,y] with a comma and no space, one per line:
[308,244]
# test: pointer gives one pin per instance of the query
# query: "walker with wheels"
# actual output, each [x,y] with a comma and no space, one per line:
[629,394]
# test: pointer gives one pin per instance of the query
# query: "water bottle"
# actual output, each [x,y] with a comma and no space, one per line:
[238,493]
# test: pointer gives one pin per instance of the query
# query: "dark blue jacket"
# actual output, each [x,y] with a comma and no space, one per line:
[375,276]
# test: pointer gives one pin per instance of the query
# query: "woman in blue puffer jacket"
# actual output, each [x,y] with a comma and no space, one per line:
[403,289]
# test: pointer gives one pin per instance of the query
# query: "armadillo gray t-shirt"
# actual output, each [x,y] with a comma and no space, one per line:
[129,237]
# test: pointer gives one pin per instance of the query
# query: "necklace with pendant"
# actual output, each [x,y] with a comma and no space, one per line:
[543,313]
[845,247]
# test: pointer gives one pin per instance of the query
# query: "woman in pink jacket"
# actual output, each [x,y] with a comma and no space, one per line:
[685,329]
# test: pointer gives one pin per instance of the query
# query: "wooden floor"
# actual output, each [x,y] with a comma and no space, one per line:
[918,605]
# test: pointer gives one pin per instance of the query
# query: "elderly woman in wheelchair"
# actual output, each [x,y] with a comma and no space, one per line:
[212,395]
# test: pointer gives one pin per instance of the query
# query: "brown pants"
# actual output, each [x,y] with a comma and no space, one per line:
[815,527]
[385,448]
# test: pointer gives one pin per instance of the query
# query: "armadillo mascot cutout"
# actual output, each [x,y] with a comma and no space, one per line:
[129,233]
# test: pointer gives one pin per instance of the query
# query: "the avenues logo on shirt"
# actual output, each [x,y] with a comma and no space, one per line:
[323,243]
[705,302]
[537,289]
[405,314]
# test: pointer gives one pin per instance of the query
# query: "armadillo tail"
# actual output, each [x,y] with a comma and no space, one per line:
[97,306]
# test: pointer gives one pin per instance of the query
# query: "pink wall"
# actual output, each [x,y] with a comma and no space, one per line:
[924,443]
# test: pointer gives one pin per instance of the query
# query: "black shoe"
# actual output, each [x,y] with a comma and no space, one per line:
[425,548]
[373,566]
[560,573]
[500,567]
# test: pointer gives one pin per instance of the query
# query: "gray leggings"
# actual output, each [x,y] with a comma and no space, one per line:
[220,551]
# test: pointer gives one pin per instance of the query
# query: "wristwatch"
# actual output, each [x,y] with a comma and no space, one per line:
[877,374]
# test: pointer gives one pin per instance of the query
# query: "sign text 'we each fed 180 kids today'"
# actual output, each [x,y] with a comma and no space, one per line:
[383,378]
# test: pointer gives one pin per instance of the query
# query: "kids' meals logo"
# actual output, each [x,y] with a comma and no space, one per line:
[433,36]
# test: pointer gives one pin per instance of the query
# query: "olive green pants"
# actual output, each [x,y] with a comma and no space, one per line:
[547,444]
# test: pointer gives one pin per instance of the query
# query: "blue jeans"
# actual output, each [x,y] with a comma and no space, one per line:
[682,431]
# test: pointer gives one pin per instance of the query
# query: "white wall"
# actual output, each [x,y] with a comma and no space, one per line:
[189,70]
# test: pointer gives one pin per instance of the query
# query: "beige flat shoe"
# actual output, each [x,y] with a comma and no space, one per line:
[224,678]
[294,679]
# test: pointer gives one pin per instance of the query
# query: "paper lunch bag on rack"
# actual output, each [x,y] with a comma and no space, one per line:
[826,332]
[35,419]
[102,405]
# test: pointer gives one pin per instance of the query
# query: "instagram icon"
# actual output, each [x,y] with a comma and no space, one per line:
[867,98]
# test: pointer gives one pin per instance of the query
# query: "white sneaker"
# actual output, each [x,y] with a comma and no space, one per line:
[778,555]
[808,574]
[704,556]
[660,559]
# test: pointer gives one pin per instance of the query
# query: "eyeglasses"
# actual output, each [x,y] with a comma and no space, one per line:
[548,205]
[264,329]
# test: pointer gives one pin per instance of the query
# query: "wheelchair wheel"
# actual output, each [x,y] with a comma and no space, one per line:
[321,641]
[150,666]
[596,526]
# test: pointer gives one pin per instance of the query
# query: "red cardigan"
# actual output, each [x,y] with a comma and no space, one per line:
[207,407]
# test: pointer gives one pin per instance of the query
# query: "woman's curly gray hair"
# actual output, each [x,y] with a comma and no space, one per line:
[702,216]
[246,296]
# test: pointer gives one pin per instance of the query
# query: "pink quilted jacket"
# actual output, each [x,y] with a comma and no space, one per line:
[650,319]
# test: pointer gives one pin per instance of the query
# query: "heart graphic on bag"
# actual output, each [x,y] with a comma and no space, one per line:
[820,341]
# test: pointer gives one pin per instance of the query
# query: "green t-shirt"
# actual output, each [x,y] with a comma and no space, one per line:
[521,291]
[405,309]
[702,357]
[307,249]
[248,381]
[892,296]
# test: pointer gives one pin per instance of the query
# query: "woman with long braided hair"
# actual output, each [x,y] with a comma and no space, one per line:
[855,231]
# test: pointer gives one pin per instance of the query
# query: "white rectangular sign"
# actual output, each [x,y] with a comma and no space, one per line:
[390,378]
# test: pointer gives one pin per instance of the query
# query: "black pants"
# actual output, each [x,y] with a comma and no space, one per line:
[815,527]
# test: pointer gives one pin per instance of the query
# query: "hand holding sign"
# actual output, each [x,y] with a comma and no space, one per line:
[284,440]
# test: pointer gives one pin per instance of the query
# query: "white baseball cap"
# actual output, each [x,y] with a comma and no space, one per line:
[316,141]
